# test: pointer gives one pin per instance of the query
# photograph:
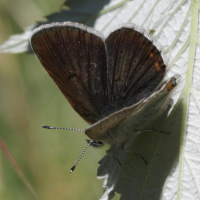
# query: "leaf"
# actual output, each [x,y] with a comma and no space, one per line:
[84,11]
[175,25]
[135,179]
[17,43]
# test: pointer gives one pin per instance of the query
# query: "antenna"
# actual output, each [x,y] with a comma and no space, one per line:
[73,168]
[70,129]
[90,142]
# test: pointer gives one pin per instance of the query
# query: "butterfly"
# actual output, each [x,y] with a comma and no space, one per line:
[112,82]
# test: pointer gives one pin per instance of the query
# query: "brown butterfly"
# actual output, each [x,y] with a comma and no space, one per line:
[112,83]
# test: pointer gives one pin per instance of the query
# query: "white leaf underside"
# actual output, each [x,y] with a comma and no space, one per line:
[176,29]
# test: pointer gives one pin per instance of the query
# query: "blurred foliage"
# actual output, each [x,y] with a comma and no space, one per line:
[29,99]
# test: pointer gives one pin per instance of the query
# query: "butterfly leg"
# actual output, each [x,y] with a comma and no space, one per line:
[152,130]
[109,153]
[134,152]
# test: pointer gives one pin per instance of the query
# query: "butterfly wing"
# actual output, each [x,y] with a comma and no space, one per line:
[75,58]
[135,67]
[97,78]
[120,126]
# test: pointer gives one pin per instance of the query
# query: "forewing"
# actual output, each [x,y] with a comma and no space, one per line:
[75,58]
[135,67]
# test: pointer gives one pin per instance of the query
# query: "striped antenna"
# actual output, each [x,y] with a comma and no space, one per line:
[70,129]
[90,142]
[73,168]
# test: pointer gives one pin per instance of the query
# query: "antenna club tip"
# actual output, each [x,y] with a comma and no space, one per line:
[72,169]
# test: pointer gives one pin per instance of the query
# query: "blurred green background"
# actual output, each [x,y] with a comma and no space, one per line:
[29,99]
